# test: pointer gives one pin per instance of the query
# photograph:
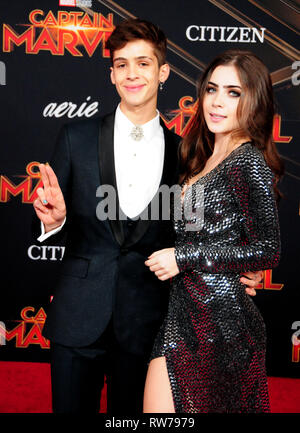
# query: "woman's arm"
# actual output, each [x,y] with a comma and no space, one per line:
[251,183]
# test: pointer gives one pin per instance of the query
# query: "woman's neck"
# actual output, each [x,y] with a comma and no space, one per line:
[224,145]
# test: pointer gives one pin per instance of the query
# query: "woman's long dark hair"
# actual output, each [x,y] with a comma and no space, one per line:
[255,114]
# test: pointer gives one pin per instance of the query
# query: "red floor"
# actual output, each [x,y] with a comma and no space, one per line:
[25,388]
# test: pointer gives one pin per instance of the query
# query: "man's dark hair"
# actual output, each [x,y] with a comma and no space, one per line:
[135,29]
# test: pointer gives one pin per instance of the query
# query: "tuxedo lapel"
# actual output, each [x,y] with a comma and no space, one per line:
[107,167]
[171,163]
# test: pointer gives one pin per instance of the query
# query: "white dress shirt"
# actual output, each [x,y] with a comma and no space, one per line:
[138,166]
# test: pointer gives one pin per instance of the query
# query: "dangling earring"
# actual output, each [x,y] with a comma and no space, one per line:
[161,85]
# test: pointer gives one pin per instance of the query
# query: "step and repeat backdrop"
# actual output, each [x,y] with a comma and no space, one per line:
[55,69]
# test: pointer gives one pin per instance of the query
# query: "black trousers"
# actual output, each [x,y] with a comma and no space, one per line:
[77,376]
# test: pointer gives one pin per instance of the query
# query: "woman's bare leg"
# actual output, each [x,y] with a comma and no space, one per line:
[158,395]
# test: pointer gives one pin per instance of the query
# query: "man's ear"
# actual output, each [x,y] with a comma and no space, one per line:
[164,72]
[112,76]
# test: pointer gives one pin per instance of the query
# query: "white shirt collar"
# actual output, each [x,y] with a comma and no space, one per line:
[125,126]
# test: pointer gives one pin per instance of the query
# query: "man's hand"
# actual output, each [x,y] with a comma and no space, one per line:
[50,205]
[163,264]
[251,280]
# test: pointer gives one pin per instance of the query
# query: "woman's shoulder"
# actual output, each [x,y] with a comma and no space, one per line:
[250,162]
[251,156]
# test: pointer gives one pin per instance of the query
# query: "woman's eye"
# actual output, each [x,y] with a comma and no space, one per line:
[210,89]
[121,65]
[234,93]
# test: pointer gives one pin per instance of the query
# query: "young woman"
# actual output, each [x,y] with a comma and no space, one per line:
[209,355]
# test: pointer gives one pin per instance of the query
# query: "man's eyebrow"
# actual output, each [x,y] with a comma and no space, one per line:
[144,57]
[123,59]
[119,58]
[229,86]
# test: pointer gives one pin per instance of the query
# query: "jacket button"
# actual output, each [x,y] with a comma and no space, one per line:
[124,251]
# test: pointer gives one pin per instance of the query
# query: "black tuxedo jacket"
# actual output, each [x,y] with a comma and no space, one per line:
[103,274]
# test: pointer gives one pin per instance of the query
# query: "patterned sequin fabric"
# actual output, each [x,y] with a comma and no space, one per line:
[213,336]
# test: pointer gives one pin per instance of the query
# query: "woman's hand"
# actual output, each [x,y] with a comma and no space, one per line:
[163,264]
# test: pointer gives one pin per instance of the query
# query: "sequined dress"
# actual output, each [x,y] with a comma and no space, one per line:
[213,337]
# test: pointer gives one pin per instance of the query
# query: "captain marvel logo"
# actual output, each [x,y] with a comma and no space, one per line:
[28,331]
[77,33]
[26,188]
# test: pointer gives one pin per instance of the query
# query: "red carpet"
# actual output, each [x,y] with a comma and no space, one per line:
[25,388]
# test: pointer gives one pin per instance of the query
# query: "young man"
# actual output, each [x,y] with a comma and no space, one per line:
[108,305]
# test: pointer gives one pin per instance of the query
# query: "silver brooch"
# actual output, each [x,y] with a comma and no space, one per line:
[137,133]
